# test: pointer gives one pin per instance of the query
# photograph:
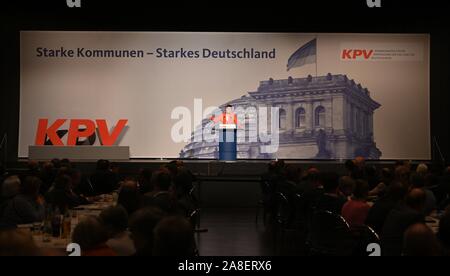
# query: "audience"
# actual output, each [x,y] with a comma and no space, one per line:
[161,197]
[91,235]
[141,224]
[129,197]
[16,242]
[27,206]
[399,219]
[444,232]
[150,217]
[61,194]
[386,179]
[174,236]
[104,181]
[346,186]
[418,181]
[10,188]
[331,200]
[382,207]
[419,240]
[115,221]
[355,210]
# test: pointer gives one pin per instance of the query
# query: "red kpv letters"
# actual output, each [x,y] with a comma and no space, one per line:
[356,54]
[106,138]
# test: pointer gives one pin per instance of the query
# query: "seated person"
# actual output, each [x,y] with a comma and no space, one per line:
[183,186]
[331,200]
[419,240]
[381,188]
[174,236]
[129,197]
[91,236]
[142,223]
[355,210]
[103,181]
[115,221]
[382,207]
[346,186]
[418,181]
[27,206]
[62,196]
[10,188]
[444,232]
[161,196]
[17,242]
[399,219]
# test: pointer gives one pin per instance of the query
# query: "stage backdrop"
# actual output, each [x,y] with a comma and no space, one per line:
[325,95]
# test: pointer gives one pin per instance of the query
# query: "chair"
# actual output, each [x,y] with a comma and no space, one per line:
[282,217]
[329,235]
[265,201]
[363,236]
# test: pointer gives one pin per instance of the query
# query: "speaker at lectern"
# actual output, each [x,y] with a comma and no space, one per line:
[227,142]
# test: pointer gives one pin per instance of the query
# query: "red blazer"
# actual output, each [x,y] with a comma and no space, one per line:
[223,118]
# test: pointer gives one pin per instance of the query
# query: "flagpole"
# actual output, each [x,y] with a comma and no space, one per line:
[317,50]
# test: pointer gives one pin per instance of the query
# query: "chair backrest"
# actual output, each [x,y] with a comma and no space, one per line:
[283,211]
[329,234]
[300,210]
[192,197]
[363,236]
[194,217]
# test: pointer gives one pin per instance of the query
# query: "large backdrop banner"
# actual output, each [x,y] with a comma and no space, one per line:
[296,95]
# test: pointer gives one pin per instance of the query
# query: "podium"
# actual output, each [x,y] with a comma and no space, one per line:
[227,142]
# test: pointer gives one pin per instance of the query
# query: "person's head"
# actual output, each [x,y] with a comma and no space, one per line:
[419,240]
[33,166]
[329,181]
[349,166]
[422,169]
[75,176]
[145,180]
[65,163]
[63,182]
[11,186]
[114,219]
[402,174]
[129,196]
[396,191]
[415,199]
[56,163]
[48,167]
[17,242]
[115,168]
[89,233]
[161,180]
[172,167]
[174,236]
[361,190]
[386,176]
[417,180]
[228,108]
[103,165]
[346,185]
[183,181]
[444,229]
[30,186]
[293,173]
[360,162]
[141,225]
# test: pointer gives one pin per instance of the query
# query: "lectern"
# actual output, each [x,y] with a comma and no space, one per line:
[227,142]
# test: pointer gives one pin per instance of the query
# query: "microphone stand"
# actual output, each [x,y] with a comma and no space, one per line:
[436,144]
[4,147]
